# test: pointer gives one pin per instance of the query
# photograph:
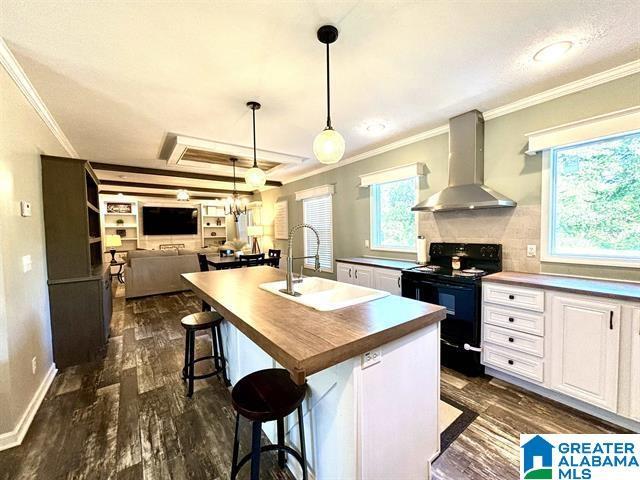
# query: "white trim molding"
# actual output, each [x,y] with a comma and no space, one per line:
[320,191]
[601,126]
[392,174]
[20,78]
[551,94]
[14,437]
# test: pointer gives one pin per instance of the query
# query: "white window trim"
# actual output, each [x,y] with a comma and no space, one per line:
[320,191]
[372,247]
[393,174]
[545,231]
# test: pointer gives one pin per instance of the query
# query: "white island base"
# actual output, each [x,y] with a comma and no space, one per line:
[379,422]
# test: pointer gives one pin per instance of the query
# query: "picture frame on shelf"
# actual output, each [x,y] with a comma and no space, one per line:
[124,208]
[122,232]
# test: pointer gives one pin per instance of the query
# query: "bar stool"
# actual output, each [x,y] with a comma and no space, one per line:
[264,396]
[203,321]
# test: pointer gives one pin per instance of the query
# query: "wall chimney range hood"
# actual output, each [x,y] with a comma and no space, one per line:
[466,188]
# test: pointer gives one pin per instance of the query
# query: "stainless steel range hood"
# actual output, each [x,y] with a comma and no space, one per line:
[466,188]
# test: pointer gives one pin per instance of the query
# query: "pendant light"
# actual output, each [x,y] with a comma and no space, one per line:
[235,205]
[328,146]
[254,176]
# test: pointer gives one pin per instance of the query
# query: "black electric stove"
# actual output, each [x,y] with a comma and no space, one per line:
[459,290]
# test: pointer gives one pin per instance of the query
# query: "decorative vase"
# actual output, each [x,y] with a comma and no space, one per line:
[213,234]
[218,222]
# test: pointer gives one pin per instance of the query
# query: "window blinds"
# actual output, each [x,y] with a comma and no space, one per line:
[317,212]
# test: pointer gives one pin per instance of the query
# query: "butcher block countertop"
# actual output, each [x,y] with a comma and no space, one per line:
[301,339]
[380,262]
[601,288]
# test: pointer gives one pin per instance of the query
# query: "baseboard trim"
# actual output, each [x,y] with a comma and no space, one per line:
[14,437]
[592,410]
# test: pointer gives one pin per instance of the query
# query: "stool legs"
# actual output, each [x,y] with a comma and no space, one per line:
[214,348]
[236,447]
[255,450]
[223,360]
[303,451]
[282,460]
[192,347]
[186,356]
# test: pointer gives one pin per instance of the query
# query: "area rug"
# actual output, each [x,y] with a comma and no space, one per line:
[454,419]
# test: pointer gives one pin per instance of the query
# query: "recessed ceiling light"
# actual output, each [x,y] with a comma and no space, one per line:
[121,194]
[376,128]
[553,52]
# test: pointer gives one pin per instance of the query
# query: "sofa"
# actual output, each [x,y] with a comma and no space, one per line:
[151,272]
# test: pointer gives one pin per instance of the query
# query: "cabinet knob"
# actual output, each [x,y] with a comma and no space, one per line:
[356,274]
[511,319]
[511,339]
[511,297]
[349,272]
[510,362]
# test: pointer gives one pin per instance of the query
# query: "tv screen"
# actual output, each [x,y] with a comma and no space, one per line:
[169,221]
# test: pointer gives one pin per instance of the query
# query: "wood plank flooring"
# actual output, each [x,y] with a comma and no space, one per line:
[126,416]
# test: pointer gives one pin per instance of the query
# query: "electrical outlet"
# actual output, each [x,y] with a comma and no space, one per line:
[26,263]
[34,365]
[25,208]
[366,243]
[531,250]
[371,358]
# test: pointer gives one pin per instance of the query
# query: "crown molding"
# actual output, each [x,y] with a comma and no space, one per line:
[551,94]
[20,78]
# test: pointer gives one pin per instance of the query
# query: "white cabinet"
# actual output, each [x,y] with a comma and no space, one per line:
[387,280]
[635,365]
[585,344]
[345,272]
[363,276]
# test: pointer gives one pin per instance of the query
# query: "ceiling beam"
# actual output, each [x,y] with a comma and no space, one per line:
[156,186]
[158,195]
[109,167]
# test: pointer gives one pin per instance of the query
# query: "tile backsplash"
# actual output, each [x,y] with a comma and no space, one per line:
[514,228]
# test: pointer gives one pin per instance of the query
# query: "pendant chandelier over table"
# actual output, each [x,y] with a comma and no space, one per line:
[235,205]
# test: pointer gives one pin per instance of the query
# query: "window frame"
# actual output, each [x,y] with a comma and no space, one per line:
[373,221]
[547,215]
[311,266]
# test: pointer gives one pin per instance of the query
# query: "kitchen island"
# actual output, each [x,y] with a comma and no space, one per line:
[364,419]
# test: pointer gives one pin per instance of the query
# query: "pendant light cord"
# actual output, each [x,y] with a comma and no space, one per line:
[328,93]
[255,162]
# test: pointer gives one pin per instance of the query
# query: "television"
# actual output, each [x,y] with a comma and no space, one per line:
[169,221]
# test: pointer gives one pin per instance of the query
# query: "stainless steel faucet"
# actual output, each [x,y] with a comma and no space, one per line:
[290,258]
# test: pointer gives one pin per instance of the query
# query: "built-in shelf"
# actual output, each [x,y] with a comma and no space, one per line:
[119,214]
[213,216]
[124,225]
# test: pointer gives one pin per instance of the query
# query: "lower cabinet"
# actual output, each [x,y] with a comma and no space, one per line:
[386,279]
[585,349]
[635,365]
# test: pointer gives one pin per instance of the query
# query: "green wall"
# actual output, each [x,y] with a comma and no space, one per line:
[507,170]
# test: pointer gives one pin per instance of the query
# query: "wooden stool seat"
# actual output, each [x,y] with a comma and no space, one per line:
[267,395]
[201,320]
[264,396]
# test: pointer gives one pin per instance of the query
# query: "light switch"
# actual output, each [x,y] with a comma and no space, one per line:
[26,263]
[531,250]
[25,208]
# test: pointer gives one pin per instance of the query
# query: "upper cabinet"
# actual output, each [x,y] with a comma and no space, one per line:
[585,339]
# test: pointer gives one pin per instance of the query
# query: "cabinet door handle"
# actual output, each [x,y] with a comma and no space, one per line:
[356,274]
[510,362]
[349,272]
[511,339]
[511,297]
[398,282]
[611,320]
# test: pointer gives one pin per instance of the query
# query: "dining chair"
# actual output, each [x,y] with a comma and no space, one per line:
[204,267]
[252,260]
[275,254]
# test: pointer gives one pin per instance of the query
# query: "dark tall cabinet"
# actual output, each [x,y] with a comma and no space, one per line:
[79,282]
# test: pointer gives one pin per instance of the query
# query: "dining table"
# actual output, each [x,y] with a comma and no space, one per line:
[221,263]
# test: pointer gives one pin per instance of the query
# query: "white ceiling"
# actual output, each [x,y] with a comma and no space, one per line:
[119,76]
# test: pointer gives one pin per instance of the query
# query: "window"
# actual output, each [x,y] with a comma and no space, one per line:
[317,212]
[593,202]
[393,224]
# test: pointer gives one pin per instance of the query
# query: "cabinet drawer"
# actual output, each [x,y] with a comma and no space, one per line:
[510,361]
[514,319]
[521,297]
[521,342]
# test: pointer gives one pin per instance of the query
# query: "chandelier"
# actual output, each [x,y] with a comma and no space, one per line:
[235,205]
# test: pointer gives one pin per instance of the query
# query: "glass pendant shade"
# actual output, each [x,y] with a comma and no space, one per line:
[328,147]
[255,177]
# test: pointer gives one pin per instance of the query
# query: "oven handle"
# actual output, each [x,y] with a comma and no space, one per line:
[472,349]
[442,285]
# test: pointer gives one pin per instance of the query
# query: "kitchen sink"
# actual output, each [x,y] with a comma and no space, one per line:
[325,295]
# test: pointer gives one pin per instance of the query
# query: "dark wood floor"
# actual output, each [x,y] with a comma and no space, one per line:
[126,417]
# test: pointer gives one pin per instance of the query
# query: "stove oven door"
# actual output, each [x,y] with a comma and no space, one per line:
[462,325]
